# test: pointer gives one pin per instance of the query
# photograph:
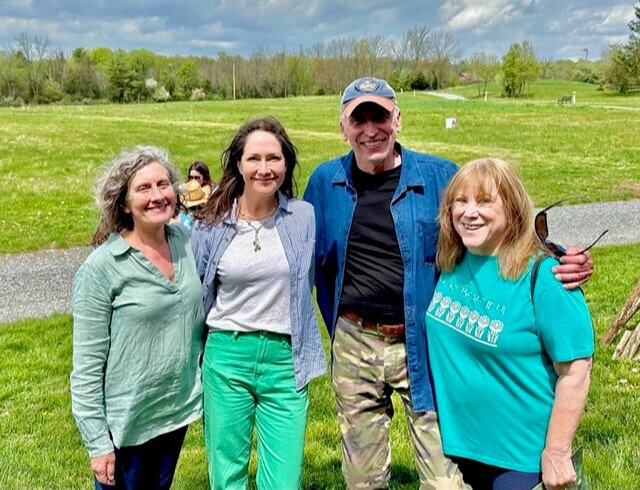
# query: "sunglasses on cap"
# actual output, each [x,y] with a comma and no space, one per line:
[542,231]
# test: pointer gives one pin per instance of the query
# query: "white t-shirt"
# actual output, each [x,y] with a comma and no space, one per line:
[253,291]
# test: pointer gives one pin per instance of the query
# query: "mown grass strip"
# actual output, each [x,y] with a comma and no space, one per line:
[51,155]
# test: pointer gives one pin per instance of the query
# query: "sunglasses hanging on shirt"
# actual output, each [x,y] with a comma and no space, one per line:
[542,231]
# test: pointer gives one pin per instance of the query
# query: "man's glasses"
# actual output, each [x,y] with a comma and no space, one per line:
[542,231]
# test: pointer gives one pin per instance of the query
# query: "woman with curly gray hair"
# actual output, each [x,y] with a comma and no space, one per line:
[138,332]
[111,190]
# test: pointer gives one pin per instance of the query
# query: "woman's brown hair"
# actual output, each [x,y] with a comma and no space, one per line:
[231,184]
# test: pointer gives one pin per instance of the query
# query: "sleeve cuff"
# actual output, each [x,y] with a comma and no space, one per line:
[100,446]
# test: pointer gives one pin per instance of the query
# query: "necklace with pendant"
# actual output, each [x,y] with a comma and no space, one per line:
[256,229]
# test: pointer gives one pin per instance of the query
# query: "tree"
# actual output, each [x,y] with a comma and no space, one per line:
[511,71]
[623,60]
[633,46]
[140,65]
[118,76]
[363,57]
[484,68]
[82,79]
[530,63]
[428,56]
[188,77]
[13,77]
[419,82]
[519,68]
[33,51]
[442,52]
[299,72]
[57,68]
[401,78]
[619,68]
[413,48]
[341,67]
[634,27]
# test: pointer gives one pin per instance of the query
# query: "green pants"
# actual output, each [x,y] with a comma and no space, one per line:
[249,382]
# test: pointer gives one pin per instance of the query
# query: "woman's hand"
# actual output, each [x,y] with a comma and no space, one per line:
[557,469]
[576,268]
[103,468]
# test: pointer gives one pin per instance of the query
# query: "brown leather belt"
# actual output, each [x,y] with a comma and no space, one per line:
[396,330]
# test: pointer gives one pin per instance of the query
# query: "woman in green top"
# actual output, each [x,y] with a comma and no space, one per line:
[138,331]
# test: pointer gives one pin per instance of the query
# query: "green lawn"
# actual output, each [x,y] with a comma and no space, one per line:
[50,155]
[40,447]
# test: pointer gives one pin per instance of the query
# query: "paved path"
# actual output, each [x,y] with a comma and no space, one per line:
[444,95]
[38,284]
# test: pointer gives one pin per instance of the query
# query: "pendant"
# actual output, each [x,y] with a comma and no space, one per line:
[256,243]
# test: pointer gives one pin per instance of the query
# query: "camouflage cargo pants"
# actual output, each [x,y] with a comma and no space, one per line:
[367,369]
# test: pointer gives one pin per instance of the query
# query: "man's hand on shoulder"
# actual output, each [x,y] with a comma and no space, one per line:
[576,268]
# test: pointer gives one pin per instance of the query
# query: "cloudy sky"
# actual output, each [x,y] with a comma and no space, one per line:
[557,28]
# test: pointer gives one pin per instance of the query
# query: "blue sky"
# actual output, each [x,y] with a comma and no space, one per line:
[557,29]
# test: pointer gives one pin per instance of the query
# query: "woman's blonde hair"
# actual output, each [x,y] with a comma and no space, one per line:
[484,178]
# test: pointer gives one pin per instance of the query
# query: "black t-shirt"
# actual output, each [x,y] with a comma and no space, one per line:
[374,271]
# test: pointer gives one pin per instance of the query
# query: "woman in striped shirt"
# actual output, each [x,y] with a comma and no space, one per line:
[254,252]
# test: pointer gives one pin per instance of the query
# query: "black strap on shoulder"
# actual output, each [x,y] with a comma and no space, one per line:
[534,272]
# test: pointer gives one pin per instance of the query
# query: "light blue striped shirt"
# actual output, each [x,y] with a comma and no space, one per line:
[295,222]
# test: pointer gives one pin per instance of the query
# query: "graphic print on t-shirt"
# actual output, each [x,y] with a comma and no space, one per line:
[466,312]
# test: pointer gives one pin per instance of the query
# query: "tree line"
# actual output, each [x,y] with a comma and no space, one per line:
[622,71]
[32,71]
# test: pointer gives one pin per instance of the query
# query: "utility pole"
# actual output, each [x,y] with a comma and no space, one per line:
[586,53]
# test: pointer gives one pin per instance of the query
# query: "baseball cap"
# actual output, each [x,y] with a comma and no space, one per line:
[367,89]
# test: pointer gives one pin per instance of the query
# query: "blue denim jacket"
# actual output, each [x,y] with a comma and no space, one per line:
[295,225]
[414,208]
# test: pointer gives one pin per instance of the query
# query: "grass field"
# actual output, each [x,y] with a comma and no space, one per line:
[41,448]
[51,155]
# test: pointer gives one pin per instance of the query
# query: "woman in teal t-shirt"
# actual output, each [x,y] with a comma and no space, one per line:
[511,371]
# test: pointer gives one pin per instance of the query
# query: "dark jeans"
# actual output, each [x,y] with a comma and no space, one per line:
[148,466]
[486,477]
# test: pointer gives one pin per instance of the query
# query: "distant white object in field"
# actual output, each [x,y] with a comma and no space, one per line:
[450,122]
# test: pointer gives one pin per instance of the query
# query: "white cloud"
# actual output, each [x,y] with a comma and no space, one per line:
[202,27]
[618,17]
[469,14]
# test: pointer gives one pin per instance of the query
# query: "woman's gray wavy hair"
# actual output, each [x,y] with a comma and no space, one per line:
[110,190]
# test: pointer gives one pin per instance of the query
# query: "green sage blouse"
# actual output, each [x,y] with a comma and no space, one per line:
[137,343]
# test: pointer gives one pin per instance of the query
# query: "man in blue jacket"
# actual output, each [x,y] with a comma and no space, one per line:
[376,210]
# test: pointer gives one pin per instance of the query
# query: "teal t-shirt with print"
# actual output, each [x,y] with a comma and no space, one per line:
[492,358]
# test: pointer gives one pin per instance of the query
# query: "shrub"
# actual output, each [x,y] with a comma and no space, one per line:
[51,92]
[198,94]
[161,94]
[11,101]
